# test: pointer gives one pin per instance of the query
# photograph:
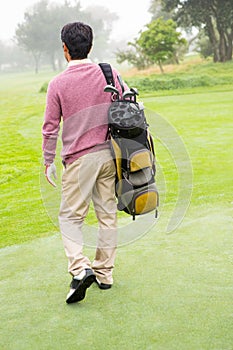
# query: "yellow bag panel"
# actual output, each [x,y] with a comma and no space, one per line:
[146,202]
[140,160]
[118,157]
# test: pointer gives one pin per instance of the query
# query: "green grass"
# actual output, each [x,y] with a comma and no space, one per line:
[22,212]
[171,291]
[187,76]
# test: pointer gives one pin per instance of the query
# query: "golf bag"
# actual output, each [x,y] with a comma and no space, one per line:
[133,150]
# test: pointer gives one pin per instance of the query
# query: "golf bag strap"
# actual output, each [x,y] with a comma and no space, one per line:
[107,71]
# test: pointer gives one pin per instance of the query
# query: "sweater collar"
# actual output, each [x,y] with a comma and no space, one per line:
[76,62]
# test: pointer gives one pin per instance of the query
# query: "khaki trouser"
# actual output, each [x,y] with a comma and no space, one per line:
[91,177]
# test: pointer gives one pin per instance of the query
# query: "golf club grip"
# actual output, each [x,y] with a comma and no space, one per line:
[121,83]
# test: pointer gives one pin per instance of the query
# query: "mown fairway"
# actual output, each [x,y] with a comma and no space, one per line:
[172,290]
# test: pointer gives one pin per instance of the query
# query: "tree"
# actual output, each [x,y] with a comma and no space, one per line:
[31,34]
[12,58]
[204,46]
[157,10]
[134,56]
[214,16]
[39,33]
[4,49]
[160,41]
[101,19]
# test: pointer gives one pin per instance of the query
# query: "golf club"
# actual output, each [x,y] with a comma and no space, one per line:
[135,90]
[128,94]
[112,89]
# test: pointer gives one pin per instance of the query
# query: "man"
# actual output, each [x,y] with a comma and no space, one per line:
[76,97]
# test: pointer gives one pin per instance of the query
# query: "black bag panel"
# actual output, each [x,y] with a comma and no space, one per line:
[126,119]
[140,177]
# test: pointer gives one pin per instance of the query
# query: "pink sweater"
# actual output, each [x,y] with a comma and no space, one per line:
[76,97]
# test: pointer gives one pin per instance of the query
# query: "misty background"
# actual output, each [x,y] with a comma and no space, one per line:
[114,24]
[129,33]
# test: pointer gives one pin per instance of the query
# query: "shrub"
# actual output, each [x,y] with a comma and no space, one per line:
[44,88]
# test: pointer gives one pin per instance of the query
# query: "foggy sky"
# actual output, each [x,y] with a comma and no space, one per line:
[132,15]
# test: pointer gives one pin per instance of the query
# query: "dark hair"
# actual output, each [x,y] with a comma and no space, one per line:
[78,38]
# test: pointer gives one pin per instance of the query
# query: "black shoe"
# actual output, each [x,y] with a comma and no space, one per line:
[103,285]
[79,285]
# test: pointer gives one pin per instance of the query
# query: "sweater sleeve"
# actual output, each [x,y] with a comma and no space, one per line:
[51,125]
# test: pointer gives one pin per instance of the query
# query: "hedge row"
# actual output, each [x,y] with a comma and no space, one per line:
[155,83]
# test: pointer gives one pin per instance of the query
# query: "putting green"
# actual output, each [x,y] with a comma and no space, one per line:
[171,291]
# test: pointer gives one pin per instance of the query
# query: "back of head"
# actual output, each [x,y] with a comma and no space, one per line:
[78,38]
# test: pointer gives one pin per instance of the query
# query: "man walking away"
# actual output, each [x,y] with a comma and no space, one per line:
[76,97]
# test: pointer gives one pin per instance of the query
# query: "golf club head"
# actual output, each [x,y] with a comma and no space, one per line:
[128,94]
[112,89]
[134,90]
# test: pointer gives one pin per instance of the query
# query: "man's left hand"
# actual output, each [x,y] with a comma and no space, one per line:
[50,169]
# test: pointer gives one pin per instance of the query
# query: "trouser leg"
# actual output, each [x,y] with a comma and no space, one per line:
[105,207]
[72,237]
[74,207]
[91,176]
